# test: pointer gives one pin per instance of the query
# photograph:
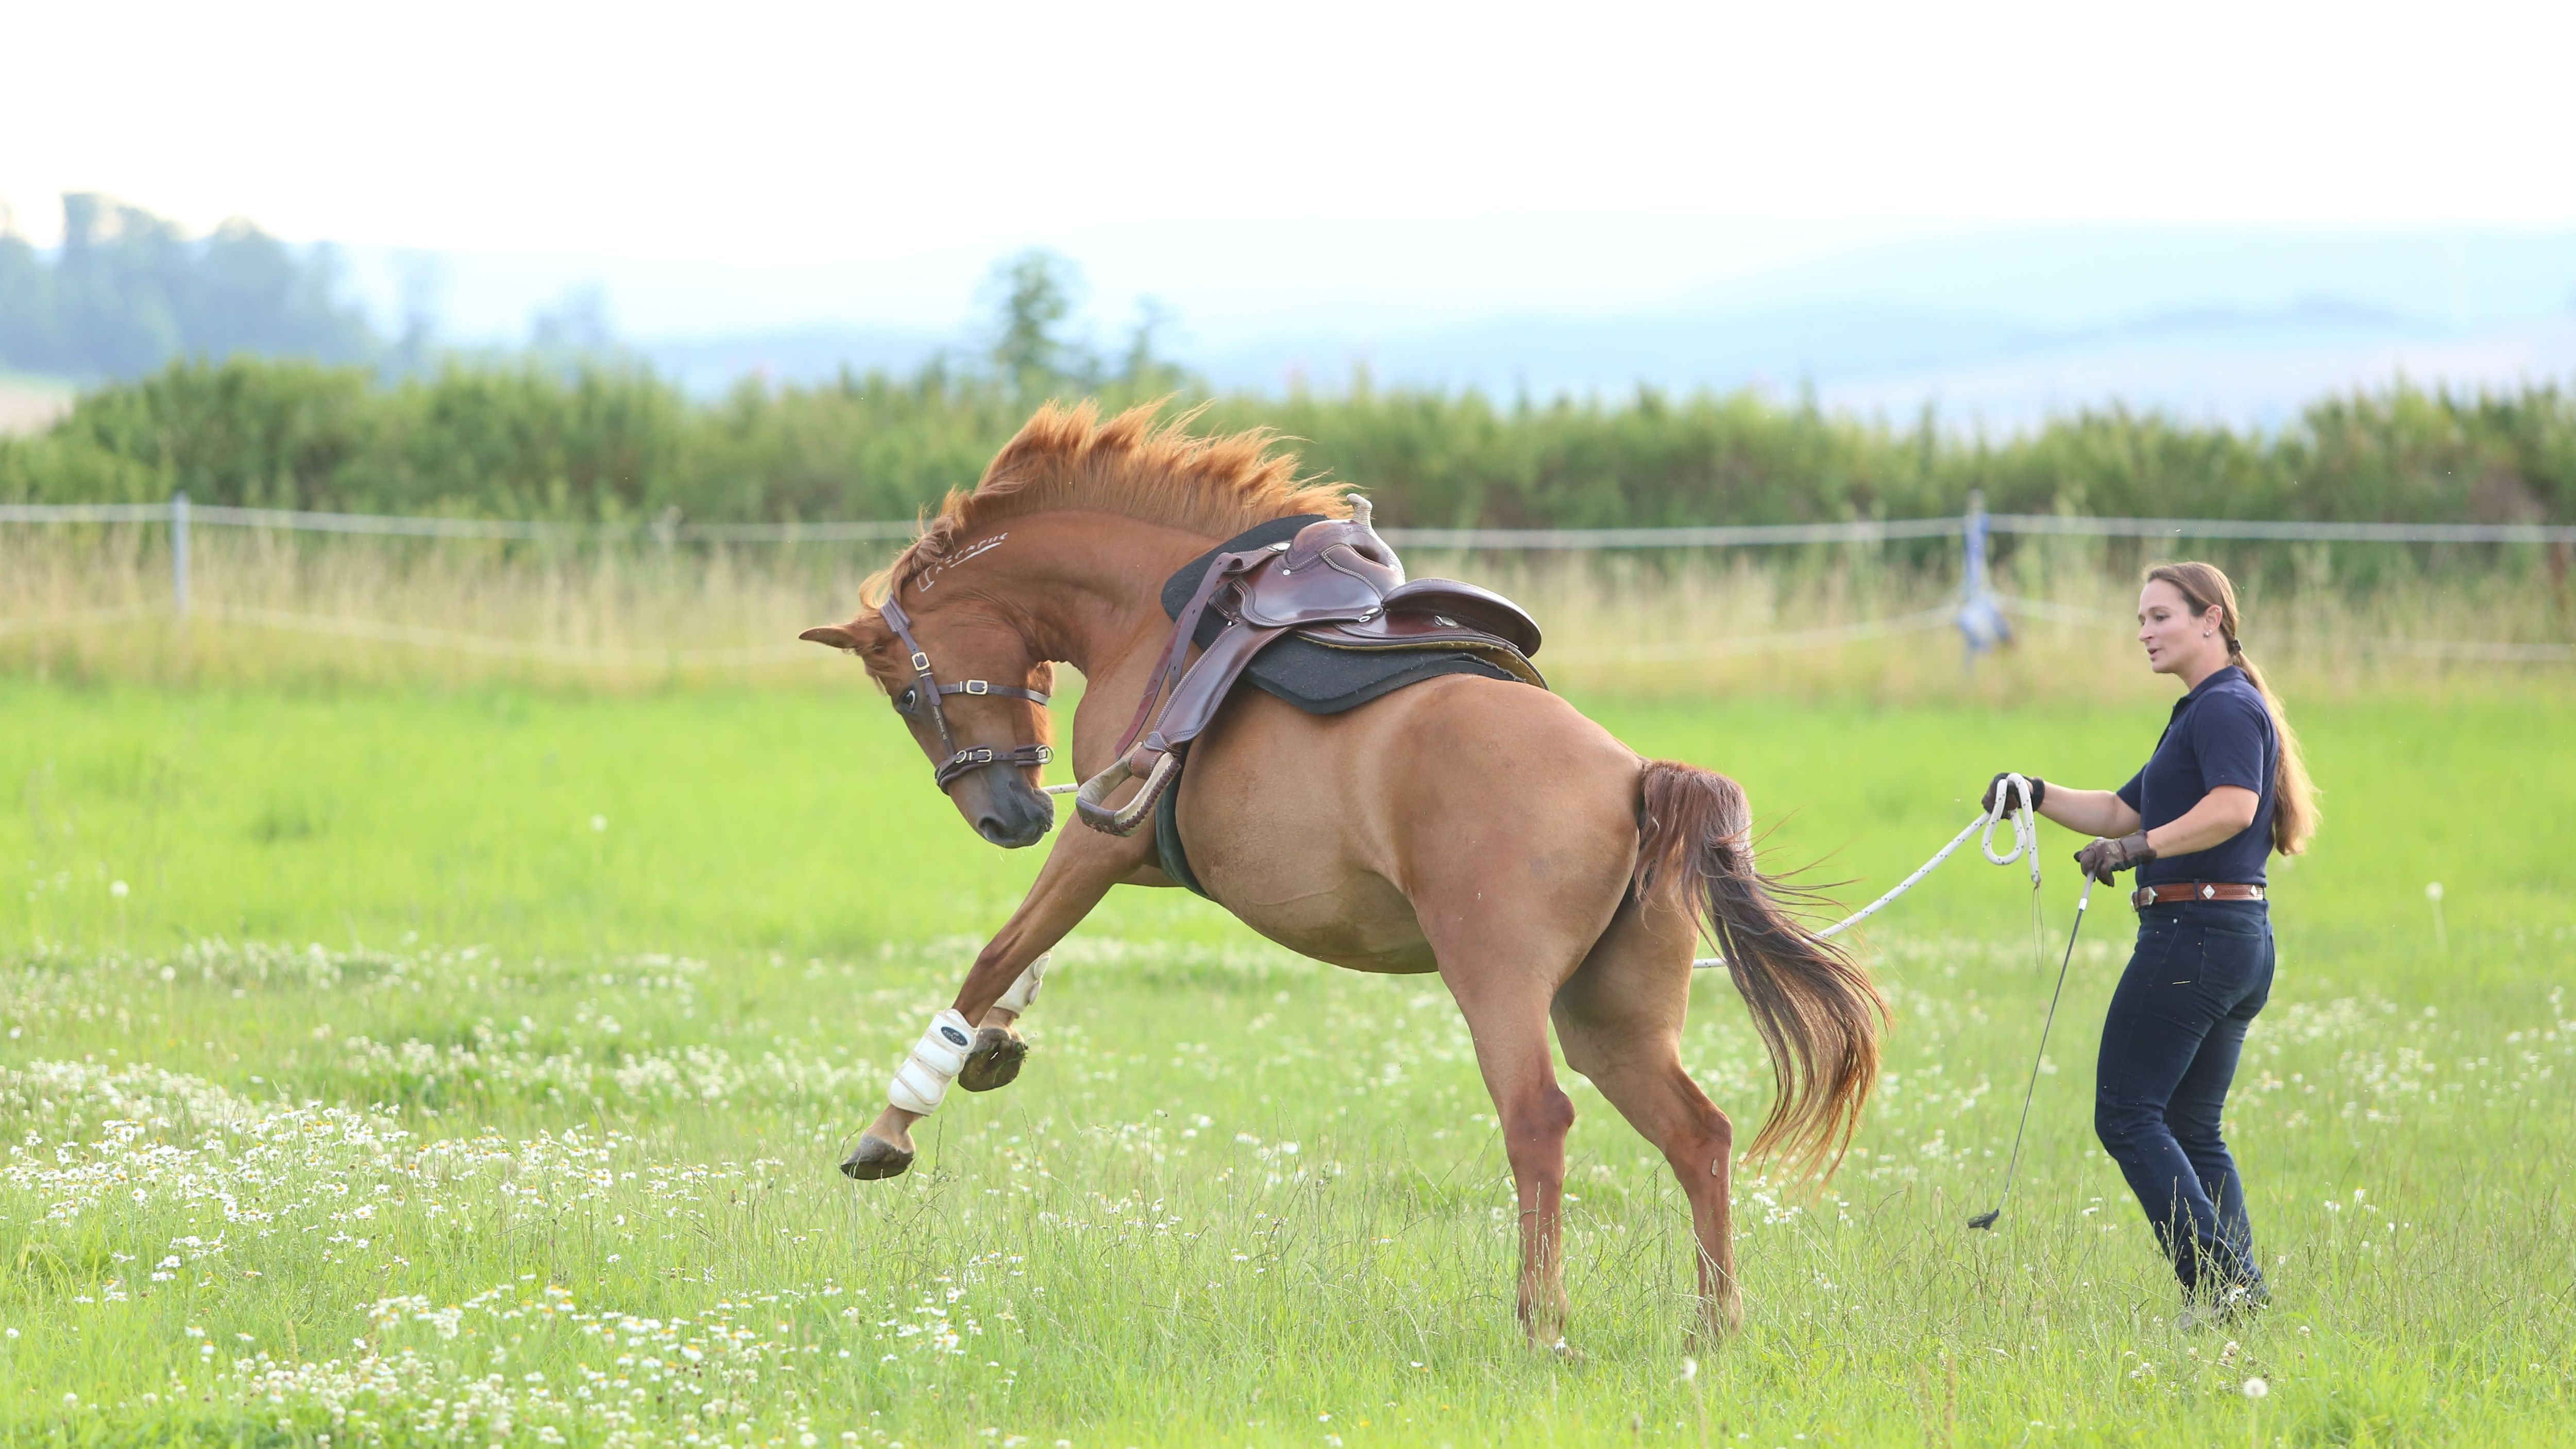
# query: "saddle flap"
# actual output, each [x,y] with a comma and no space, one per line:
[1203,690]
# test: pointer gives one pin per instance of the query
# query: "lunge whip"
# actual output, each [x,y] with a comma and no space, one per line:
[1987,1220]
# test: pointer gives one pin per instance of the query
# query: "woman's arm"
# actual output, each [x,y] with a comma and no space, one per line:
[2093,812]
[2220,816]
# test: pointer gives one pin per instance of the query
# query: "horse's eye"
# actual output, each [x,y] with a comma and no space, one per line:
[904,702]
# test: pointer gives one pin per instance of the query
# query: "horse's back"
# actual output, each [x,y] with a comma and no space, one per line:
[1461,802]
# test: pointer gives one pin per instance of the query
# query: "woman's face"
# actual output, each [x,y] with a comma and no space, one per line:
[2174,635]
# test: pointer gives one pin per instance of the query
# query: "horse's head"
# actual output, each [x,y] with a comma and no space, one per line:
[972,689]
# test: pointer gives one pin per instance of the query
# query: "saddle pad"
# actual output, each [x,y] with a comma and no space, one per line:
[1311,676]
[1315,678]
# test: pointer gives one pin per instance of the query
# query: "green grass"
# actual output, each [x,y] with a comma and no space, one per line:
[432,1086]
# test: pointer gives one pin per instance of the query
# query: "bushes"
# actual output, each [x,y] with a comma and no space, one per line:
[603,442]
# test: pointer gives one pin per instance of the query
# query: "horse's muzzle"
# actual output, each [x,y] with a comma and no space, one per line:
[1006,811]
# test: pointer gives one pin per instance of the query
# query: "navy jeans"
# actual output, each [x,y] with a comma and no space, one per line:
[2201,971]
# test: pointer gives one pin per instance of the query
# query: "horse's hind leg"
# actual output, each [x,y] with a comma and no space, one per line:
[1508,1019]
[1619,1019]
[1503,964]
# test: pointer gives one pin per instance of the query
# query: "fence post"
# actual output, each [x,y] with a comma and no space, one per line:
[179,552]
[1980,618]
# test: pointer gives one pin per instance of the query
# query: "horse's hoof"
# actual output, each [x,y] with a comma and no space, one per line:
[1718,1322]
[875,1158]
[995,1061]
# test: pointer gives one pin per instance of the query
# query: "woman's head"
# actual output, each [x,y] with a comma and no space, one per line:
[2188,621]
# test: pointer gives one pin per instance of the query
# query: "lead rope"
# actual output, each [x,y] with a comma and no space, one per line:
[2025,833]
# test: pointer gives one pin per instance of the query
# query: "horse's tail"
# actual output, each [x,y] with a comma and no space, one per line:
[1817,1011]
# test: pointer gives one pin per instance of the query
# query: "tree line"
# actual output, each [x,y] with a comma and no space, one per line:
[608,443]
[129,291]
[590,436]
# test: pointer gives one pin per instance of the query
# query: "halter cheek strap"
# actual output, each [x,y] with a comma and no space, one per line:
[960,761]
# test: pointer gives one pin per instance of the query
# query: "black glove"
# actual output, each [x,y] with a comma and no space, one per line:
[1995,786]
[2104,859]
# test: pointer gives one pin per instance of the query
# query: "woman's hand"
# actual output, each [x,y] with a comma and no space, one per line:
[1995,787]
[2104,859]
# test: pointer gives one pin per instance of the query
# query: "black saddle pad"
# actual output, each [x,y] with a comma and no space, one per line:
[1312,676]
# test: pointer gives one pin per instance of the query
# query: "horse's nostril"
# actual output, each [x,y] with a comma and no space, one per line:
[990,827]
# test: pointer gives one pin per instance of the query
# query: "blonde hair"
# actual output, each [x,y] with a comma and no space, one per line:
[2294,796]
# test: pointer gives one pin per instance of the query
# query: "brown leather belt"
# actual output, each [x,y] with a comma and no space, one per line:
[2192,890]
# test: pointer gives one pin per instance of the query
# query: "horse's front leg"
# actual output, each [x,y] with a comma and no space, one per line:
[1080,870]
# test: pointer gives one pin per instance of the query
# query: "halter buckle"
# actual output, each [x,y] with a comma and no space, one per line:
[979,686]
[920,662]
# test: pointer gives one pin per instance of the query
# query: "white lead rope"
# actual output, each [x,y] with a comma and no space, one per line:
[2025,830]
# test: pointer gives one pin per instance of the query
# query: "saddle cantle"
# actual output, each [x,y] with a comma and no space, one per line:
[1333,586]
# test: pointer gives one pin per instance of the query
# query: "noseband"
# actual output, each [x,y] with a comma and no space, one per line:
[926,689]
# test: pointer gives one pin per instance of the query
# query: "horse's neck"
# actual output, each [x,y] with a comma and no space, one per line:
[1090,585]
[1091,588]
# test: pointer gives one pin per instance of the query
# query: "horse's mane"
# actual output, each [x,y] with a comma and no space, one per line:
[1068,458]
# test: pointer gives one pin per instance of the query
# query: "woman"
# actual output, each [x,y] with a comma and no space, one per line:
[2225,787]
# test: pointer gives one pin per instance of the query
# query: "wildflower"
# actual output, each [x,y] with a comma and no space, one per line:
[598,823]
[116,888]
[1690,1369]
[2256,1388]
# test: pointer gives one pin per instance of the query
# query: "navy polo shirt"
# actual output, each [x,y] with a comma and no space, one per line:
[2220,734]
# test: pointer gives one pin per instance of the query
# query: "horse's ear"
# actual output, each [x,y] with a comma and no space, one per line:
[861,635]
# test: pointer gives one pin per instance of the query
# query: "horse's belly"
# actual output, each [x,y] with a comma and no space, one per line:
[1278,848]
[1362,923]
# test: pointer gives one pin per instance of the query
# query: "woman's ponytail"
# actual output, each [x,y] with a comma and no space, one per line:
[2294,795]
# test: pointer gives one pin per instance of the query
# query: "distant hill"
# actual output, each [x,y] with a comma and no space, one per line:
[2215,363]
[1996,329]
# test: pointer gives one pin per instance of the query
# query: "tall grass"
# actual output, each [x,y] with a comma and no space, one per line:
[275,607]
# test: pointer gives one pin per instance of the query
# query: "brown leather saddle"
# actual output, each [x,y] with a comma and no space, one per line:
[1335,584]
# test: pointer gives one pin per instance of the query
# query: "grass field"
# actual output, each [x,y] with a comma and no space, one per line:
[470,1066]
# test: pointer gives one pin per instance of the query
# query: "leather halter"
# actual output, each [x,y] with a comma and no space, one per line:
[927,689]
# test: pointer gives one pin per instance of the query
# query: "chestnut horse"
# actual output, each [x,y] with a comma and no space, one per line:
[1478,828]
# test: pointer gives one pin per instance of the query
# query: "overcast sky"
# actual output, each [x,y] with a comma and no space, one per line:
[854,136]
